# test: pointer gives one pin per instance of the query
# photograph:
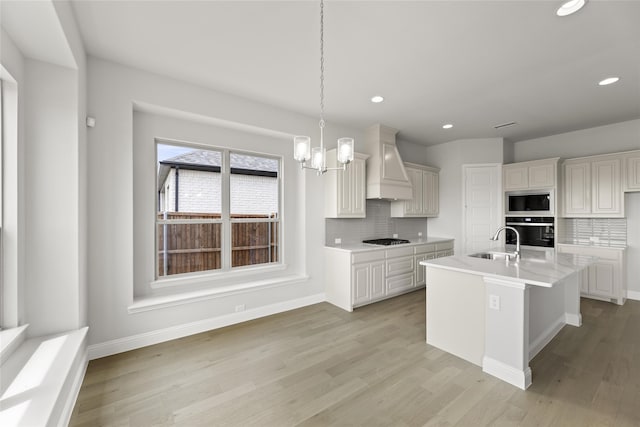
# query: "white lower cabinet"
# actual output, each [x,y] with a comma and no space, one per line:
[367,282]
[605,279]
[400,270]
[354,279]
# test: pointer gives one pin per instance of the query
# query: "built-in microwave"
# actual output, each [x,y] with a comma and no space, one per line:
[530,202]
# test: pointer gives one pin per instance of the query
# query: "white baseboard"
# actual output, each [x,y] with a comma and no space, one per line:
[546,336]
[573,319]
[133,342]
[507,373]
[634,295]
[72,396]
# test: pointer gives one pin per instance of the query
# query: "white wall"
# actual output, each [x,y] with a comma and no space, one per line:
[13,223]
[51,206]
[414,153]
[72,34]
[48,238]
[613,138]
[450,157]
[113,89]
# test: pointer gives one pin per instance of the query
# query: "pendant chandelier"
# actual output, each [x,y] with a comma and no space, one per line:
[316,158]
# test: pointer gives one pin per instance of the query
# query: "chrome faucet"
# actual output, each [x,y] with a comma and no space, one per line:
[506,227]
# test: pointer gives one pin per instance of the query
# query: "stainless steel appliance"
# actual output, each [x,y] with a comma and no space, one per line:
[385,242]
[530,202]
[534,231]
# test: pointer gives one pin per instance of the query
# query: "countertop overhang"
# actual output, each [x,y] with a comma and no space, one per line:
[538,268]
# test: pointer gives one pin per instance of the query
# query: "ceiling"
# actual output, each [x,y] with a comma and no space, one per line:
[474,64]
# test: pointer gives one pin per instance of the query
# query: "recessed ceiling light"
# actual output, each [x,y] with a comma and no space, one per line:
[447,126]
[608,81]
[572,6]
[377,99]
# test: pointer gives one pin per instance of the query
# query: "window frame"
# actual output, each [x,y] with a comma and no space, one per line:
[226,249]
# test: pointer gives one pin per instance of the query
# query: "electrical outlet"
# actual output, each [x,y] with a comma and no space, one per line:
[494,302]
[239,307]
[419,233]
[594,239]
[395,235]
[337,241]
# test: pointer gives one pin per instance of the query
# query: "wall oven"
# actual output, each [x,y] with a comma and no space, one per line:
[534,231]
[530,202]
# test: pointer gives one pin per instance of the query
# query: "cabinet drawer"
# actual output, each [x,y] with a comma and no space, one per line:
[444,245]
[400,283]
[367,256]
[423,249]
[402,265]
[398,252]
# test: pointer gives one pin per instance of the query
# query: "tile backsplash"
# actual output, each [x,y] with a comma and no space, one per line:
[605,231]
[378,223]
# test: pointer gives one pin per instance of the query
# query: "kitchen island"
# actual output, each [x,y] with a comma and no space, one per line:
[499,313]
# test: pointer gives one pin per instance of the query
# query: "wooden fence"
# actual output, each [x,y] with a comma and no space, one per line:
[197,247]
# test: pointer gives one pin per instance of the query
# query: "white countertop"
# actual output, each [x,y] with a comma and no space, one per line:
[539,268]
[362,247]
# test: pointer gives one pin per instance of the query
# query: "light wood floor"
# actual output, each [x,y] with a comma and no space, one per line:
[320,366]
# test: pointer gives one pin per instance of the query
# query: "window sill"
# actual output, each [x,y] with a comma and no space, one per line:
[155,303]
[10,339]
[196,279]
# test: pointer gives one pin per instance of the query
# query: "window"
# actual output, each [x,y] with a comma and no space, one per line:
[217,209]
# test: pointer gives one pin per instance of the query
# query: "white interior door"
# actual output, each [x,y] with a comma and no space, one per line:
[482,206]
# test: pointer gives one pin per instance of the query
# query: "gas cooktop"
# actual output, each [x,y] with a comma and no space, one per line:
[385,242]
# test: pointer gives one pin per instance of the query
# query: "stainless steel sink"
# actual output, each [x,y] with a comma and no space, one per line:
[492,255]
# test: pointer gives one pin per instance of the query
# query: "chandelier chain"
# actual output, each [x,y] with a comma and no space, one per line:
[321,63]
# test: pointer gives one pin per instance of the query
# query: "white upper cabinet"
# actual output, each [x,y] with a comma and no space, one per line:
[425,193]
[530,175]
[515,177]
[345,191]
[606,193]
[631,170]
[593,187]
[577,188]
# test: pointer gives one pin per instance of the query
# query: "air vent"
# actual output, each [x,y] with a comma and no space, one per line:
[504,125]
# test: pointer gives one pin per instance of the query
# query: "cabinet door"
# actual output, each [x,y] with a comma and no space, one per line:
[420,273]
[360,278]
[421,279]
[515,177]
[414,206]
[602,279]
[377,280]
[584,281]
[577,188]
[542,176]
[606,193]
[632,175]
[358,187]
[431,193]
[435,199]
[345,191]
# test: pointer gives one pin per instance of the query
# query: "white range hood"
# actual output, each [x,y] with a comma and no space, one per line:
[386,176]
